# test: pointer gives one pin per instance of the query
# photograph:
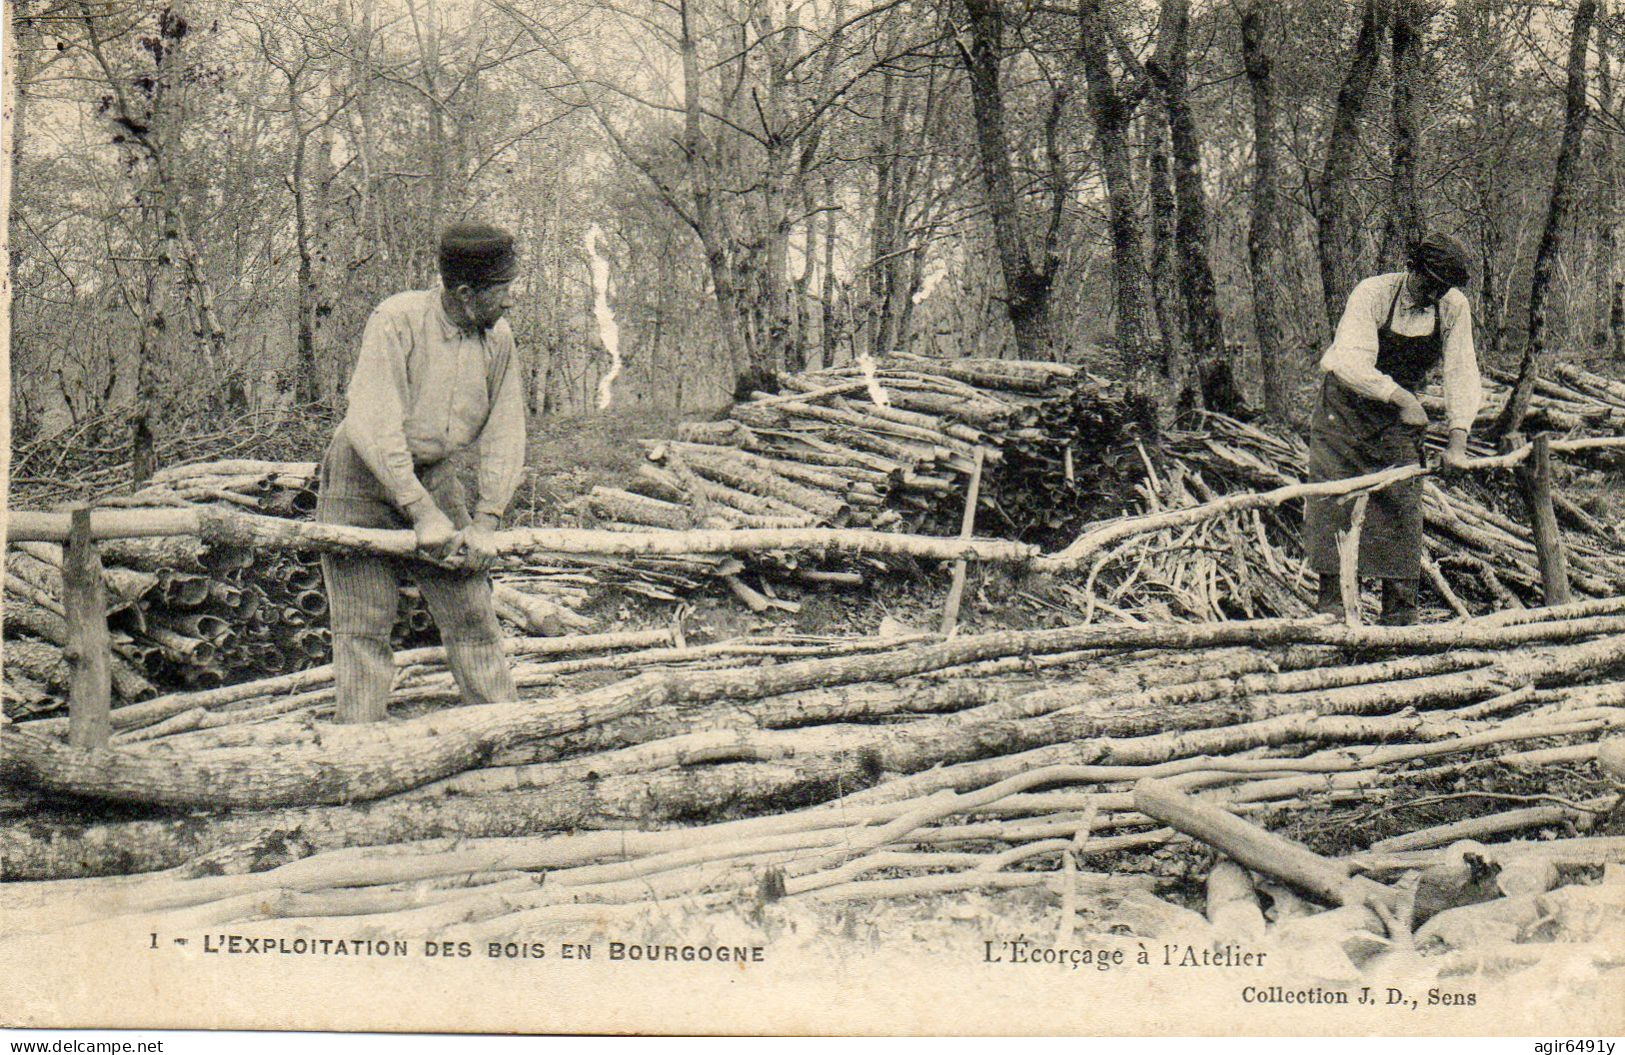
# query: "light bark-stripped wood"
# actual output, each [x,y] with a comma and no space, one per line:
[967,527]
[249,841]
[1326,879]
[155,710]
[616,504]
[1348,561]
[537,614]
[351,765]
[1535,483]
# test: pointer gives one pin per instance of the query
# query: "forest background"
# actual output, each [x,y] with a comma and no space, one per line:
[210,196]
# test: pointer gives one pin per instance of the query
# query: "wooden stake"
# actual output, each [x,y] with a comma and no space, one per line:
[84,600]
[967,527]
[1535,482]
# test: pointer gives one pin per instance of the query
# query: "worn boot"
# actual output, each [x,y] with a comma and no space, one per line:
[1399,602]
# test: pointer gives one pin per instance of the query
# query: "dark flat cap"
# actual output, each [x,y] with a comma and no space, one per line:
[1441,257]
[477,254]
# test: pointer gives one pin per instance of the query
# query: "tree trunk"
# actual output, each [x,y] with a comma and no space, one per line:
[255,841]
[1113,111]
[427,30]
[1613,169]
[1169,303]
[21,43]
[1564,191]
[882,232]
[1169,70]
[1027,284]
[1339,229]
[1266,251]
[826,279]
[1483,32]
[710,222]
[307,387]
[1406,220]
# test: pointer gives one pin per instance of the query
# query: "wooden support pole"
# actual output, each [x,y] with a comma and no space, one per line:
[1534,476]
[967,528]
[90,649]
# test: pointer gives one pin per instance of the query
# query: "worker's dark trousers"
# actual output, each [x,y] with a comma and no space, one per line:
[1399,605]
[363,593]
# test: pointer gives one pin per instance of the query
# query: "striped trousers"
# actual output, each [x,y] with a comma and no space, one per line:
[363,593]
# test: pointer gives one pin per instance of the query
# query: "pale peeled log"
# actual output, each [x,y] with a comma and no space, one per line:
[1232,903]
[1528,875]
[1611,759]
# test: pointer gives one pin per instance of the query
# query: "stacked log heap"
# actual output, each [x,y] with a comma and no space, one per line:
[889,447]
[894,446]
[187,615]
[862,770]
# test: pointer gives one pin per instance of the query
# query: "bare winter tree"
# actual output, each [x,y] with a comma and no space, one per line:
[1407,216]
[1338,229]
[1564,189]
[1169,69]
[1112,102]
[1266,251]
[1028,263]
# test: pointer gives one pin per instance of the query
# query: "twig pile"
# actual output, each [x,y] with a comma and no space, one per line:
[1478,558]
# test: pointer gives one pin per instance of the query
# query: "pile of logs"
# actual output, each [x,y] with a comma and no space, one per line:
[1054,452]
[189,615]
[867,768]
[895,446]
[889,446]
[1574,400]
[1478,558]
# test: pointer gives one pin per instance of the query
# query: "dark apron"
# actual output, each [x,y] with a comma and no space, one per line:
[1354,435]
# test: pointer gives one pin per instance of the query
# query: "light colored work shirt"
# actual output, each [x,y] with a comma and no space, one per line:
[1353,354]
[423,390]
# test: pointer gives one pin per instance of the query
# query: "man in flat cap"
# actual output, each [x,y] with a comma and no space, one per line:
[1396,329]
[436,376]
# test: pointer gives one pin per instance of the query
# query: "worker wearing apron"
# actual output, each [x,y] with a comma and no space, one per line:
[1395,330]
[436,376]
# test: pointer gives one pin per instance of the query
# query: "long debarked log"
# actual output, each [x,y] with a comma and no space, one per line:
[261,532]
[295,833]
[155,710]
[997,729]
[265,840]
[252,531]
[1326,878]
